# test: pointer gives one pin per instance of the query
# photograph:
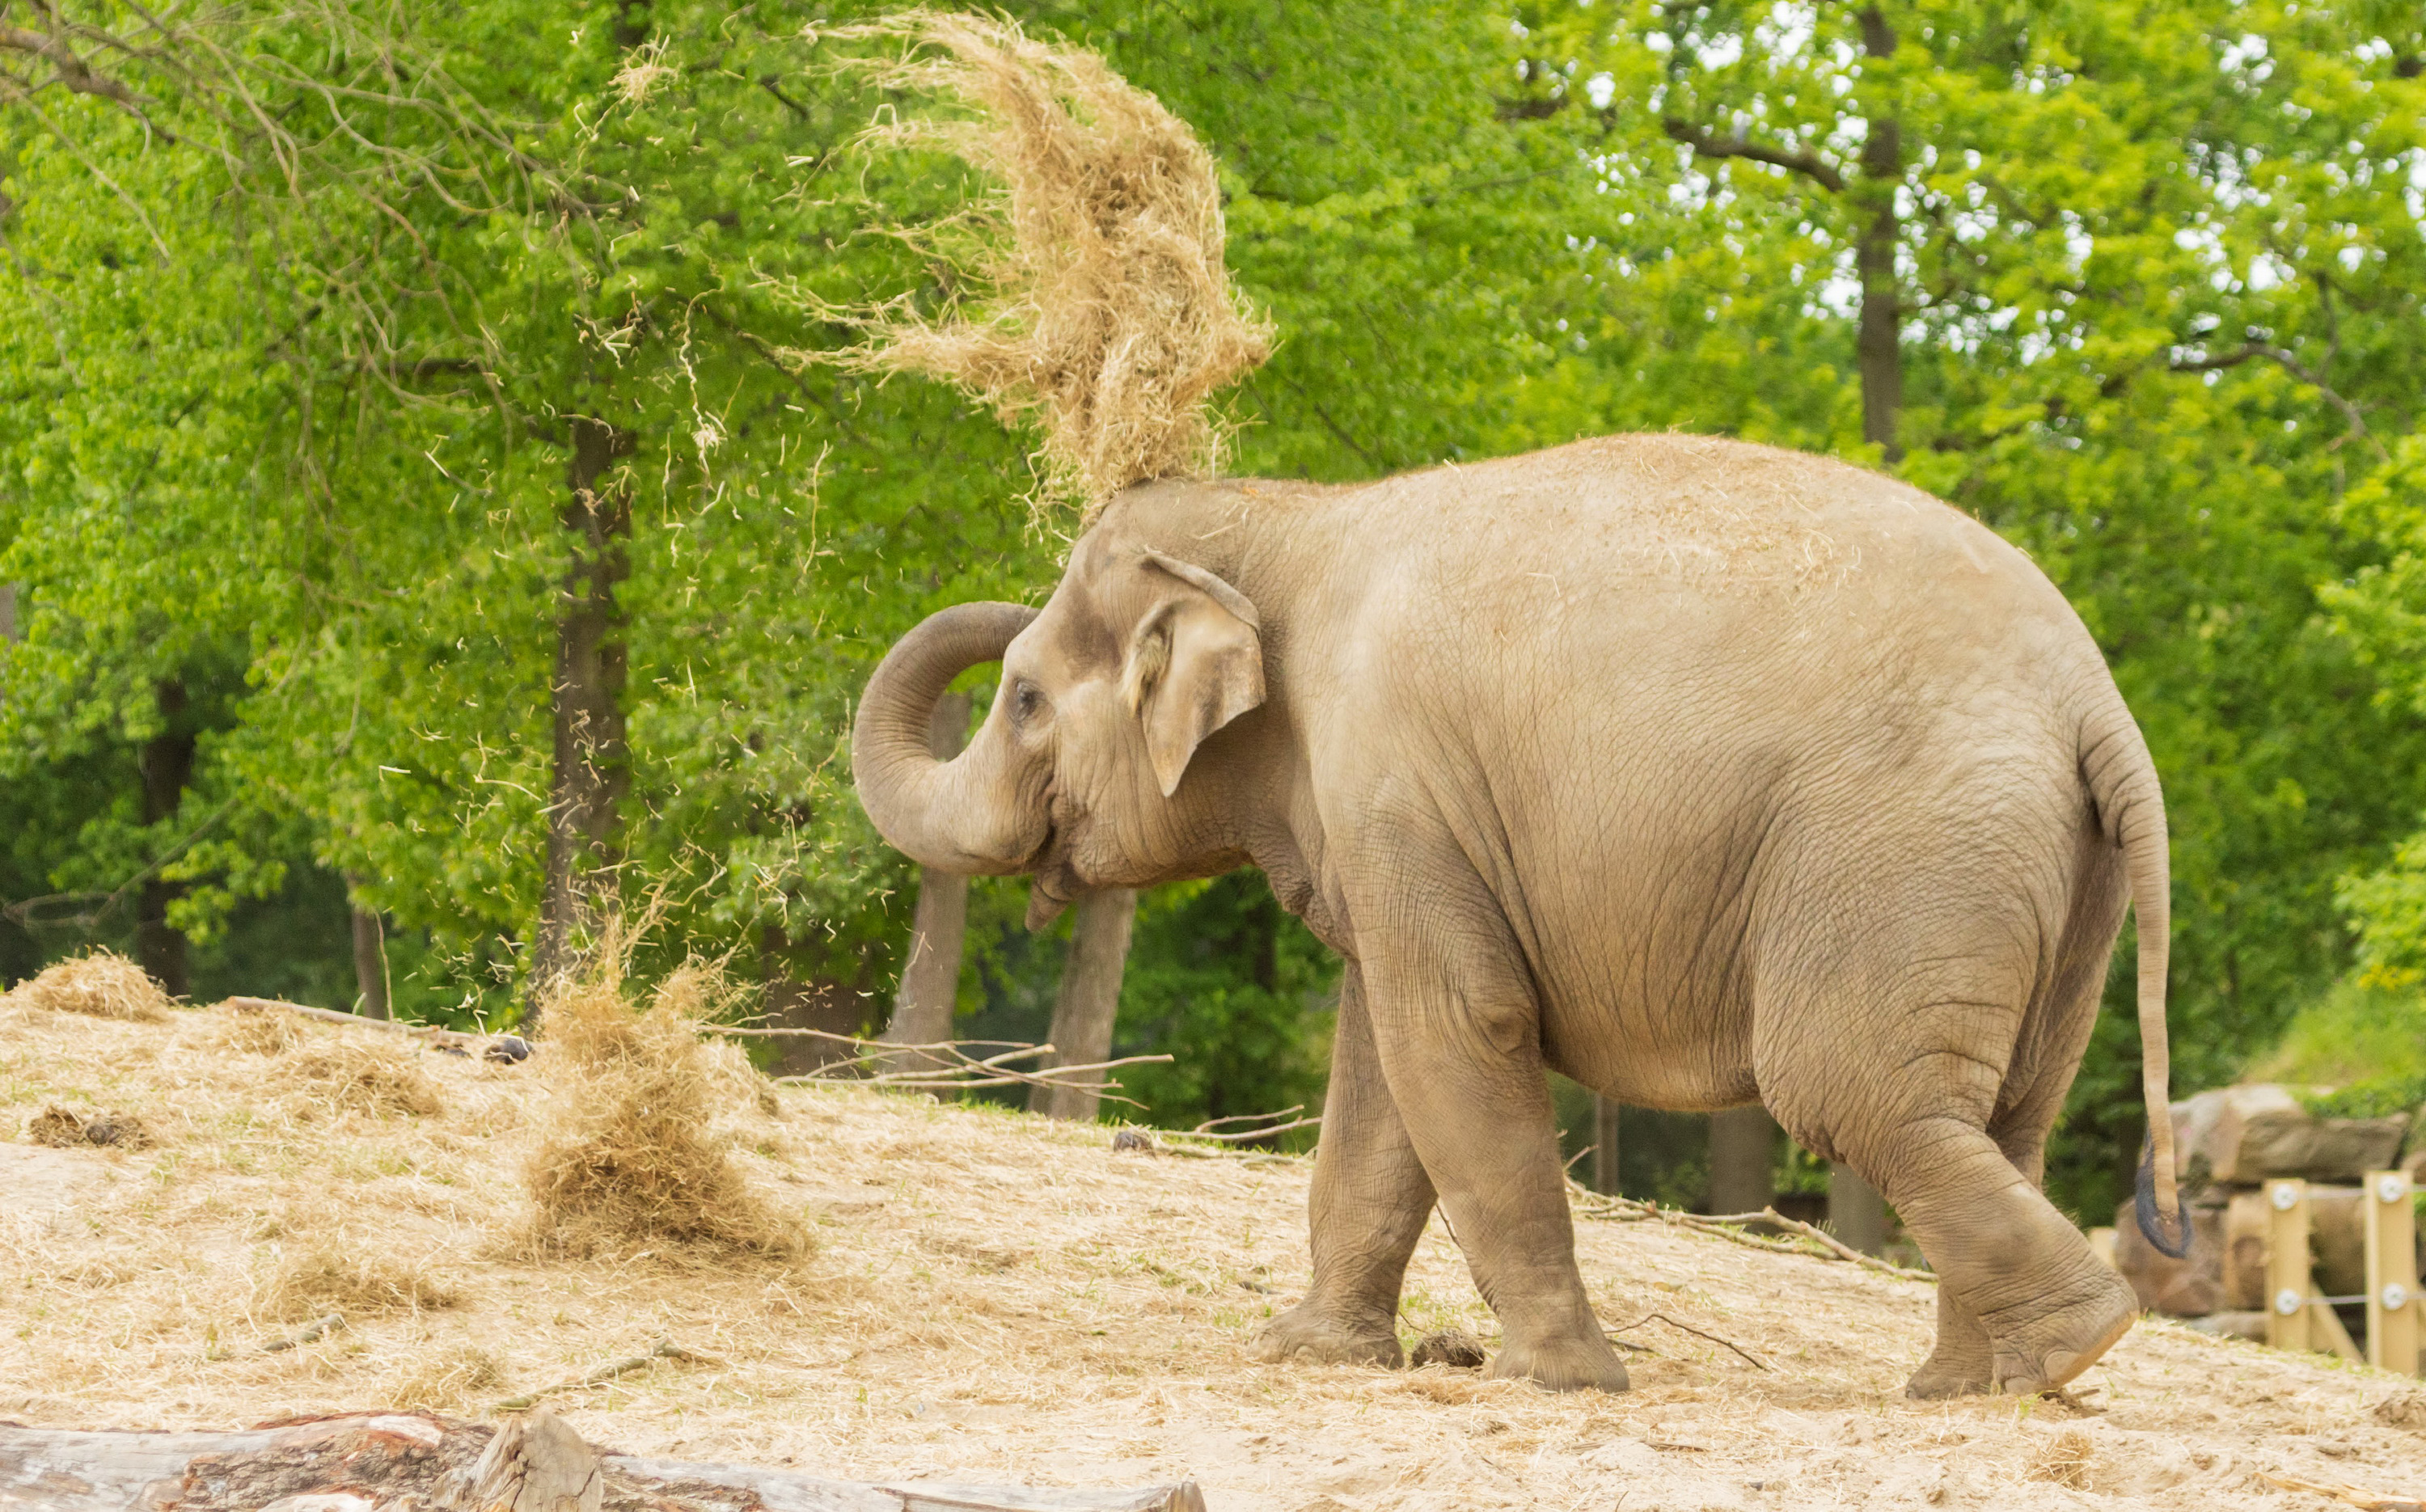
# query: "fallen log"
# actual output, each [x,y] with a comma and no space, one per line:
[419,1462]
[503,1048]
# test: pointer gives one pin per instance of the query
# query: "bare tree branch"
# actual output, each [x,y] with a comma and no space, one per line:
[1707,143]
[2289,362]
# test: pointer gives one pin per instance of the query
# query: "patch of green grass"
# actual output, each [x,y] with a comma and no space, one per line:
[2367,1044]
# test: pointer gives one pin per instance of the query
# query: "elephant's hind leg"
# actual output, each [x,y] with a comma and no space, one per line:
[2040,1072]
[1370,1204]
[2024,1304]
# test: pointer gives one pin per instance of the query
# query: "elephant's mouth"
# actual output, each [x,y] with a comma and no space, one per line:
[1055,886]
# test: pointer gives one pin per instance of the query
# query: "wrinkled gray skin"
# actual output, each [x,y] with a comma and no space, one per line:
[1697,771]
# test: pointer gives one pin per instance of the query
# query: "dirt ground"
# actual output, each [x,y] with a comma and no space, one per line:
[996,1297]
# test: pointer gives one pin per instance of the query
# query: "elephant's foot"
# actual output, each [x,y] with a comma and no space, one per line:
[1562,1364]
[1940,1377]
[2051,1350]
[1311,1332]
[1961,1363]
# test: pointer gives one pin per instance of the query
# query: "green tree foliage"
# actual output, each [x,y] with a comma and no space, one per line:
[291,405]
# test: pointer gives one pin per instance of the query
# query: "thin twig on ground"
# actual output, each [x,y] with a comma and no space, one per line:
[662,1349]
[2352,1495]
[305,1334]
[951,1067]
[1749,1358]
[1730,1227]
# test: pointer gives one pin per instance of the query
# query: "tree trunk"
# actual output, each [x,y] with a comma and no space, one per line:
[1604,1165]
[167,764]
[1090,998]
[1743,1159]
[930,979]
[370,957]
[591,760]
[1880,343]
[1856,1213]
[794,1003]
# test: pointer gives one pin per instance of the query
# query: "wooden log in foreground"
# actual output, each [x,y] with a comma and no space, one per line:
[418,1462]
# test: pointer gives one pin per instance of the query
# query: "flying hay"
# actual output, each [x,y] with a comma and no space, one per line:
[101,983]
[630,1150]
[1103,311]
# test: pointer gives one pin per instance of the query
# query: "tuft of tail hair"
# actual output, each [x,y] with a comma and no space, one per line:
[2153,1223]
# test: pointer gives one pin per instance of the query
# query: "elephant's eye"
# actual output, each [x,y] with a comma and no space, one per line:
[1027,699]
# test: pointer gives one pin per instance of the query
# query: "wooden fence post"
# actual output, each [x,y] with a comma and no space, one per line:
[2287,1286]
[2391,1273]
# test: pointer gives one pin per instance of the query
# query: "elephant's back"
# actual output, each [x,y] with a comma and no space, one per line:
[1735,553]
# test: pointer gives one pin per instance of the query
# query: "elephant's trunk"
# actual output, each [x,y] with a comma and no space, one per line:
[962,815]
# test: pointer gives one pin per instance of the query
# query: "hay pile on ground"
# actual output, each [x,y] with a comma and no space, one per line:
[1106,316]
[101,983]
[635,1151]
[996,1297]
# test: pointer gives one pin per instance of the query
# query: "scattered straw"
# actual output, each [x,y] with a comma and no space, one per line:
[1104,314]
[2063,1459]
[348,1275]
[101,983]
[631,1152]
[998,1297]
[449,1379]
[260,1031]
[361,1076]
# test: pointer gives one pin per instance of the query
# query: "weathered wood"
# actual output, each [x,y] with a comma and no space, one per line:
[2391,1279]
[536,1464]
[377,1459]
[2287,1286]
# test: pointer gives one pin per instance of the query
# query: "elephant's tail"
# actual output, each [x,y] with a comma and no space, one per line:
[2121,781]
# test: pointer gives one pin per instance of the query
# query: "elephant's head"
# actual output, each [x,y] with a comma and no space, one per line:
[1075,776]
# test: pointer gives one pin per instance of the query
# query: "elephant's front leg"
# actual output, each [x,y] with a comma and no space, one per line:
[1455,1020]
[1369,1203]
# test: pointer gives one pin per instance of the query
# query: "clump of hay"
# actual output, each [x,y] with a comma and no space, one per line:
[630,1150]
[353,1278]
[100,982]
[1103,311]
[57,1127]
[62,1129]
[361,1077]
[260,1031]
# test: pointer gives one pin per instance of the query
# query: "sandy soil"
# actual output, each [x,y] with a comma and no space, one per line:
[998,1297]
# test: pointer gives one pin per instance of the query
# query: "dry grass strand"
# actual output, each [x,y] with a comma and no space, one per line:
[1104,314]
[100,982]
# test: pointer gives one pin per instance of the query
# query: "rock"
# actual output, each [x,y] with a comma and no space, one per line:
[124,1130]
[1453,1347]
[2191,1287]
[2242,1136]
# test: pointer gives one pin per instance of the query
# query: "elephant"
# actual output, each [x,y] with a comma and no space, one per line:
[1699,771]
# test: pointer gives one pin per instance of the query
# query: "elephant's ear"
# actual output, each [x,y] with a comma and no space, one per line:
[1195,662]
